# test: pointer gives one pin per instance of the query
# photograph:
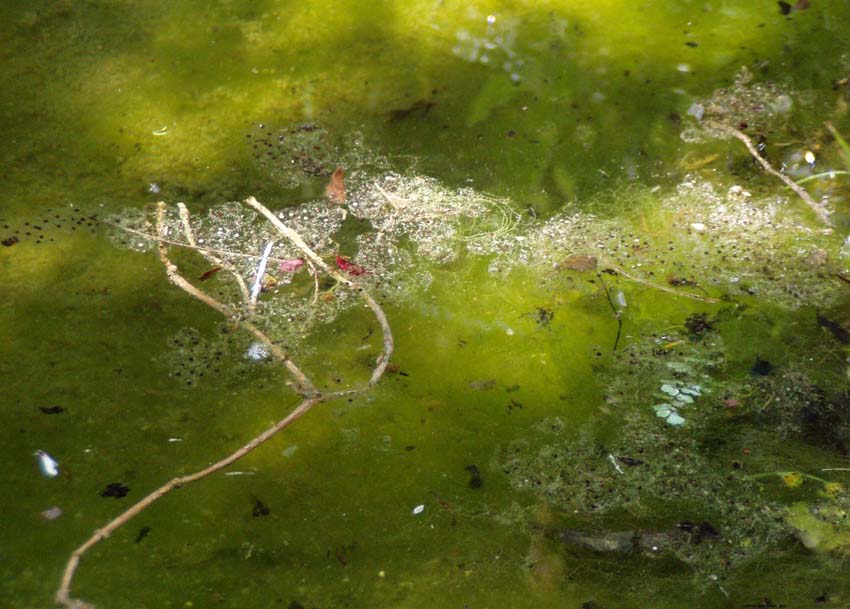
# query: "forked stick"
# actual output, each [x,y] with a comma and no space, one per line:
[174,276]
[212,258]
[384,358]
[63,594]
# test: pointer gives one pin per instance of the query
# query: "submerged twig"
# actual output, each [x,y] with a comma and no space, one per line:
[658,286]
[208,253]
[63,595]
[384,358]
[305,386]
[618,312]
[801,192]
[312,397]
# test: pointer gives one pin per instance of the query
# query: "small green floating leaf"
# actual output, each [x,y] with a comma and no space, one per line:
[669,390]
[675,420]
[662,410]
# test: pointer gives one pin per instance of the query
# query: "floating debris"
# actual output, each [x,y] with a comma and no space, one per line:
[335,190]
[579,262]
[290,266]
[475,480]
[207,274]
[762,367]
[51,513]
[51,409]
[257,352]
[260,509]
[115,489]
[419,509]
[143,532]
[48,465]
[344,264]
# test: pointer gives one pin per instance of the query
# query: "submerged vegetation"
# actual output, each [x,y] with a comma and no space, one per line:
[604,289]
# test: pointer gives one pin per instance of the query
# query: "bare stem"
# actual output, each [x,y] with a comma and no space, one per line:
[801,192]
[212,258]
[658,286]
[384,358]
[312,397]
[63,595]
[174,276]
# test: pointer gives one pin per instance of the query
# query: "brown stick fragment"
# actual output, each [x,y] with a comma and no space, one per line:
[335,190]
[801,192]
[174,276]
[190,237]
[384,358]
[658,286]
[63,595]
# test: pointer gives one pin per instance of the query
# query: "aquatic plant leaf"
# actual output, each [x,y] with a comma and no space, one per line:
[675,419]
[842,143]
[669,390]
[662,410]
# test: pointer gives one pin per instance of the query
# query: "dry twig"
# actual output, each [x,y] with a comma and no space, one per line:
[297,241]
[820,212]
[209,255]
[312,397]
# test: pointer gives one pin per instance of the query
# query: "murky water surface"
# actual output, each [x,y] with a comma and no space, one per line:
[620,367]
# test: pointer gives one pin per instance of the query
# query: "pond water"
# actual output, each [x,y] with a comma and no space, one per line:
[620,371]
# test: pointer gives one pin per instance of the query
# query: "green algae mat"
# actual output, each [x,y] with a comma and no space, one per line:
[561,289]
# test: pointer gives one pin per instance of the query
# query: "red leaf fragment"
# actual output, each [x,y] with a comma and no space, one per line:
[291,265]
[344,264]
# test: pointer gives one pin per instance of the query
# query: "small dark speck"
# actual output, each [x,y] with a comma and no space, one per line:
[51,409]
[692,44]
[260,509]
[115,489]
[143,532]
[762,367]
[475,480]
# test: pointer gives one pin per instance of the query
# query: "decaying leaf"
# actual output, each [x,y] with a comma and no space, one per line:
[291,265]
[335,190]
[344,264]
[579,262]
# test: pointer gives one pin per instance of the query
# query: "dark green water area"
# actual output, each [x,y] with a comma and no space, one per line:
[620,377]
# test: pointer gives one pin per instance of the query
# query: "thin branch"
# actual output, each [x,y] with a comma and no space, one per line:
[201,249]
[658,286]
[384,358]
[206,253]
[63,595]
[315,274]
[174,276]
[801,192]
